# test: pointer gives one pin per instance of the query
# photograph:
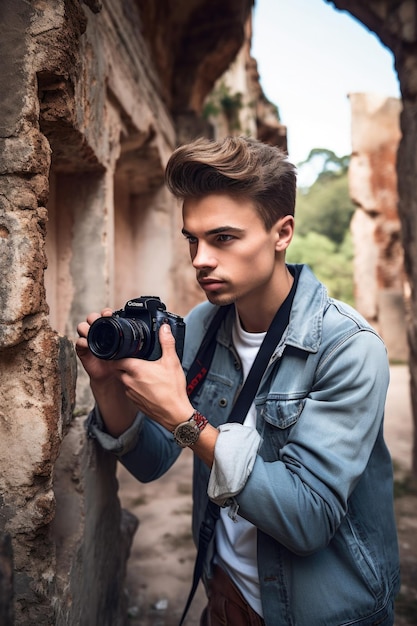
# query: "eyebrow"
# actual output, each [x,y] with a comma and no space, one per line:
[216,231]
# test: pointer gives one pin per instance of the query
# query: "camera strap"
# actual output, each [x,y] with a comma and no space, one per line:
[201,364]
[239,411]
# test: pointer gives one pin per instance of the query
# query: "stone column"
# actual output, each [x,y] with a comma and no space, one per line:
[378,262]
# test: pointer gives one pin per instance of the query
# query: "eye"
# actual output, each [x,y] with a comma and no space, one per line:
[190,239]
[225,238]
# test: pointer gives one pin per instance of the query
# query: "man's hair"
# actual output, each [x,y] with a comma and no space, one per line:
[238,166]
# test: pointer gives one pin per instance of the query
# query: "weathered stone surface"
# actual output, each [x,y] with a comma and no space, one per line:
[237,105]
[392,322]
[96,95]
[378,260]
[387,19]
[15,16]
[268,124]
[36,406]
[101,94]
[6,581]
[92,535]
[192,44]
[23,261]
[24,154]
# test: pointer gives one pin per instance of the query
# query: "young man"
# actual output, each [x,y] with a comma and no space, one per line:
[306,534]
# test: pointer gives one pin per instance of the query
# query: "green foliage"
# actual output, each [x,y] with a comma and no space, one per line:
[222,100]
[325,207]
[332,264]
[322,220]
[327,161]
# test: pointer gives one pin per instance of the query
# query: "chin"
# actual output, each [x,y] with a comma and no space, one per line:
[220,300]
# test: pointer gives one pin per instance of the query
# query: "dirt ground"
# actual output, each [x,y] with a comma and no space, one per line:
[162,557]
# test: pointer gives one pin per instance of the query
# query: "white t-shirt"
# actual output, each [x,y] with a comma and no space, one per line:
[236,549]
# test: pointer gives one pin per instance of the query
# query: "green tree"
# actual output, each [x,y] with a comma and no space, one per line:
[332,264]
[326,207]
[322,218]
[326,162]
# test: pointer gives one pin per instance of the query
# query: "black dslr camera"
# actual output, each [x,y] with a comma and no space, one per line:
[133,331]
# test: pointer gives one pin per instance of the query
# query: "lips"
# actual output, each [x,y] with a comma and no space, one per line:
[210,284]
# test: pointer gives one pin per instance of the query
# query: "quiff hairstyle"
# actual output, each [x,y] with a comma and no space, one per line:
[238,166]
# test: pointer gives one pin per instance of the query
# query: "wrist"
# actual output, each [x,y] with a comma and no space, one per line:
[188,432]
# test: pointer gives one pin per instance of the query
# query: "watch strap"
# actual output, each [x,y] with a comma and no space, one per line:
[187,433]
[199,419]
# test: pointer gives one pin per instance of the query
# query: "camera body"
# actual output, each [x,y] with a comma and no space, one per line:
[134,331]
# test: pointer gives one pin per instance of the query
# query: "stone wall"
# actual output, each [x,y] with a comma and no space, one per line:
[95,96]
[379,277]
[395,23]
[237,104]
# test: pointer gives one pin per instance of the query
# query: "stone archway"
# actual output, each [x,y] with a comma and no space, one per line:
[395,24]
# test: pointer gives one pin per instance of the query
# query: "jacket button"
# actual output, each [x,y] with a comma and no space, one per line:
[223,402]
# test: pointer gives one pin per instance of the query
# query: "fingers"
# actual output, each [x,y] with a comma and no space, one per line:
[167,341]
[92,317]
[83,327]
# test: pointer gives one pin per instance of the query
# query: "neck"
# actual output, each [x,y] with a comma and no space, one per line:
[257,314]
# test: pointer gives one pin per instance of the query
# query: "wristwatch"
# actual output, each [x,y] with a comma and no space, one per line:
[187,433]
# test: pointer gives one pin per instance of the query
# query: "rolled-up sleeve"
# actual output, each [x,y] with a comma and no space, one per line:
[117,445]
[234,457]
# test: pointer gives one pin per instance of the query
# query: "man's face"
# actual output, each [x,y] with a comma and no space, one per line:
[235,257]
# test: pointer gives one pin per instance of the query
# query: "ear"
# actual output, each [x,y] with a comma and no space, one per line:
[284,229]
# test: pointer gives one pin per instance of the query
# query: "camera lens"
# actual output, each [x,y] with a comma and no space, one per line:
[118,338]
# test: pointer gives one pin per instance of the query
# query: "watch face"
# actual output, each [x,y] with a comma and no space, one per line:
[186,434]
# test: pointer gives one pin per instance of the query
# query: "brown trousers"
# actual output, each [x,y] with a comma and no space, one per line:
[226,605]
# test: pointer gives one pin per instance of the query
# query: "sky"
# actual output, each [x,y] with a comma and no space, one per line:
[310,57]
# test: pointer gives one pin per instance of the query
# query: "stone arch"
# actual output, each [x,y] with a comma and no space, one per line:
[395,23]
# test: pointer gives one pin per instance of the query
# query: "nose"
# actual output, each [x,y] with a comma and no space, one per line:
[203,256]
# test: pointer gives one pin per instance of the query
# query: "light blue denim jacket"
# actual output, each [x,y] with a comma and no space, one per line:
[315,478]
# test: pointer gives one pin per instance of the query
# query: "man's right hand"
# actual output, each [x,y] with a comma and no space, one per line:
[98,369]
[117,411]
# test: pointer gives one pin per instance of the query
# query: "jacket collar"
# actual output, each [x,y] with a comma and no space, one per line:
[306,318]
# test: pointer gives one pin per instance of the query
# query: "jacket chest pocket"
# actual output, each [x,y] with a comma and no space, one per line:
[276,418]
[215,399]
